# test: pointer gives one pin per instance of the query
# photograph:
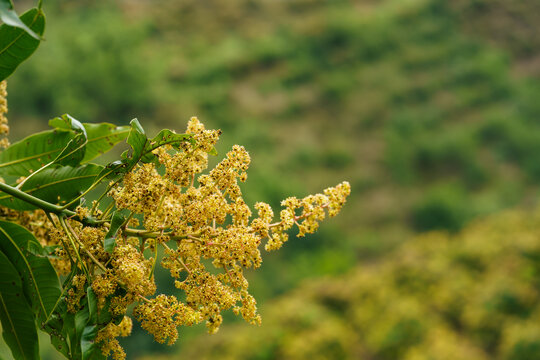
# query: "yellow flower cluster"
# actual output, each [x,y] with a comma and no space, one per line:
[4,127]
[107,338]
[198,220]
[312,211]
[75,294]
[162,315]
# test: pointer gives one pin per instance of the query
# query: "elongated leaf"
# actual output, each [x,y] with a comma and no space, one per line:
[59,326]
[92,305]
[81,320]
[39,280]
[10,17]
[67,122]
[33,152]
[118,219]
[73,153]
[102,137]
[16,45]
[114,169]
[165,136]
[104,314]
[57,185]
[90,350]
[137,140]
[141,146]
[18,325]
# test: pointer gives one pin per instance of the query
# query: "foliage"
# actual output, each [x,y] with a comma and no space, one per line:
[76,270]
[472,295]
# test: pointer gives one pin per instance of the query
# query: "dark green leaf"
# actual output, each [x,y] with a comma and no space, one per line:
[18,324]
[74,151]
[57,185]
[92,305]
[165,136]
[17,44]
[59,326]
[81,320]
[40,281]
[10,17]
[118,218]
[33,152]
[137,140]
[114,169]
[102,137]
[90,350]
[104,316]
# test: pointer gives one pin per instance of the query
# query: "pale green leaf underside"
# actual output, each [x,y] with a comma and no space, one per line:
[10,17]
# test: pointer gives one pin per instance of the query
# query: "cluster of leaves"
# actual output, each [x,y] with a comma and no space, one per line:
[56,169]
[472,295]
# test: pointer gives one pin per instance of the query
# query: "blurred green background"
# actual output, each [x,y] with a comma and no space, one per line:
[429,108]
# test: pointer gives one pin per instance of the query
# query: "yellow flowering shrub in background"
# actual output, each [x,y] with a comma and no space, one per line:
[473,295]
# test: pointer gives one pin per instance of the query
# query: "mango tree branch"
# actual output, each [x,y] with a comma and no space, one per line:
[46,206]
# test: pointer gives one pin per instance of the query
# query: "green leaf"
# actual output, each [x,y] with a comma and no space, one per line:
[67,122]
[57,185]
[137,140]
[92,305]
[10,17]
[118,218]
[104,315]
[165,136]
[16,43]
[90,350]
[213,151]
[40,281]
[74,151]
[102,137]
[59,326]
[26,156]
[114,169]
[81,320]
[35,151]
[142,147]
[18,325]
